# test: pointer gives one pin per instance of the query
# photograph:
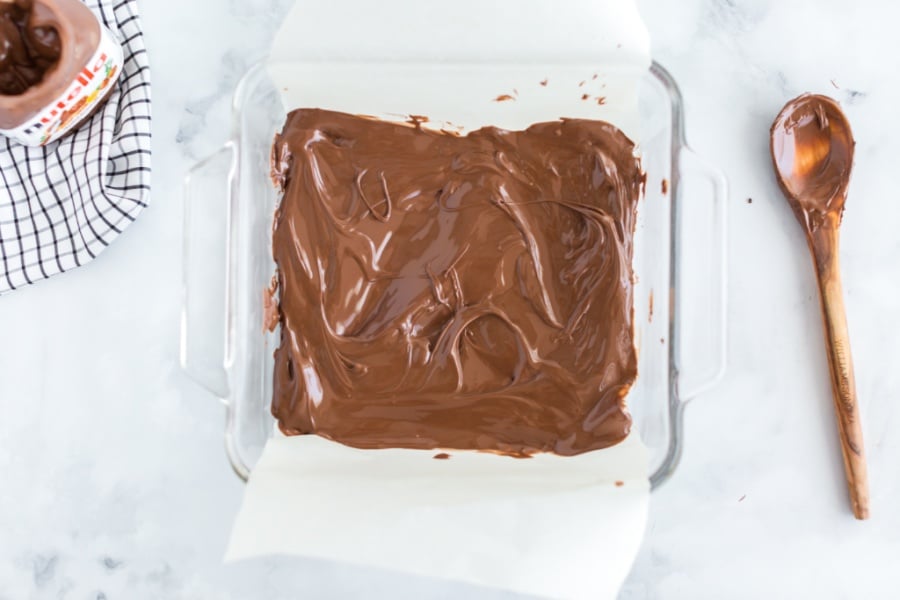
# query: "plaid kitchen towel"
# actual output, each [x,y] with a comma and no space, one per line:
[61,205]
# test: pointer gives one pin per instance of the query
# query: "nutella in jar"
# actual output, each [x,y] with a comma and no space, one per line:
[58,64]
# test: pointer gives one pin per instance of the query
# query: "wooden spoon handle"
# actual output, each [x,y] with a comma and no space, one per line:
[824,244]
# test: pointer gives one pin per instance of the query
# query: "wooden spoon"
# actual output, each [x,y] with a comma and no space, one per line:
[812,151]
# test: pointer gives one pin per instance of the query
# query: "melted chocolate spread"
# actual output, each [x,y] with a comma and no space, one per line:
[29,46]
[439,291]
[812,148]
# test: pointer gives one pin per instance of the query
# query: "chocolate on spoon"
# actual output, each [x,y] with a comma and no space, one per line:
[812,152]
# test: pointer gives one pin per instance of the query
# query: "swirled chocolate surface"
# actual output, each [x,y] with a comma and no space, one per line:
[29,45]
[455,292]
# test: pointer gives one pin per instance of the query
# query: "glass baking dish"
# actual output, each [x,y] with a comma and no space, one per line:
[679,259]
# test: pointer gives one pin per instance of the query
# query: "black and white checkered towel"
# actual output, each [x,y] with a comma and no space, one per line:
[62,205]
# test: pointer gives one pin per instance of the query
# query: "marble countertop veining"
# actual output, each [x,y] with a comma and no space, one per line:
[114,480]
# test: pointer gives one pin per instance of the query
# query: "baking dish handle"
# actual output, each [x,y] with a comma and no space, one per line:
[204,340]
[702,322]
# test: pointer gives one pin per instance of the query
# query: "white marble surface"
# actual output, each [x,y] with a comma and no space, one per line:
[114,481]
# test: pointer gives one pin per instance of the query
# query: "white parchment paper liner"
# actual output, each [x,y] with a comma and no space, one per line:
[557,527]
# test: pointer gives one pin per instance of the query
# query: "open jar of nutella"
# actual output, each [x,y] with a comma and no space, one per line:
[58,64]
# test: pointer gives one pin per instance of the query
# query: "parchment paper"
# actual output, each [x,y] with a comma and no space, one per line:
[556,527]
[548,526]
